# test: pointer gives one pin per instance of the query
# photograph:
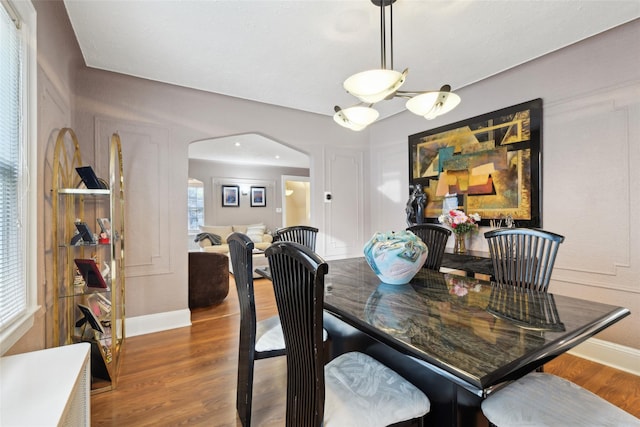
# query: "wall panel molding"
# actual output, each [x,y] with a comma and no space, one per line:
[388,187]
[344,179]
[54,113]
[605,120]
[145,153]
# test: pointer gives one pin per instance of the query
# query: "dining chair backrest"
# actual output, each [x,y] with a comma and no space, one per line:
[523,257]
[241,252]
[303,234]
[298,283]
[435,237]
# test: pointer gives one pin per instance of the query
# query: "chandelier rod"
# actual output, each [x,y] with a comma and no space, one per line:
[383,33]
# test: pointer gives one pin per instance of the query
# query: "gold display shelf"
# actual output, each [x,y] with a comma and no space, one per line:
[72,202]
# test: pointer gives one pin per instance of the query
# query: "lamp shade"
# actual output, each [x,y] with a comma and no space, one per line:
[355,118]
[433,104]
[374,85]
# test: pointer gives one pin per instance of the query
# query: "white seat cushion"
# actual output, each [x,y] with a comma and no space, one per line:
[360,391]
[540,399]
[269,334]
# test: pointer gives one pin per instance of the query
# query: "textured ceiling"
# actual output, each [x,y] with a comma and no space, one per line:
[296,54]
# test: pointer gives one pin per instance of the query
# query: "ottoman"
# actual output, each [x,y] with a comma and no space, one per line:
[208,279]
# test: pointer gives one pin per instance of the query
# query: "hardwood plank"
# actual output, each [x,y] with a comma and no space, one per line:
[187,376]
[618,387]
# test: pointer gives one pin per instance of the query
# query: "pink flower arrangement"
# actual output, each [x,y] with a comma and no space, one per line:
[459,221]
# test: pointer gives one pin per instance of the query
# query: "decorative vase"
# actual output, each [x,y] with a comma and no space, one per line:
[459,246]
[395,257]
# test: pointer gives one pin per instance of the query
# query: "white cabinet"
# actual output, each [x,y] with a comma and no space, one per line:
[46,388]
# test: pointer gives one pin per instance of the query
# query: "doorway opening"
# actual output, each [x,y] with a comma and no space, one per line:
[296,200]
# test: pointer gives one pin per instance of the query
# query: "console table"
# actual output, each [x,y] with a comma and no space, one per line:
[471,262]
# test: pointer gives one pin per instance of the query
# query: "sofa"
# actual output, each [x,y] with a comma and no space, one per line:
[256,232]
[208,279]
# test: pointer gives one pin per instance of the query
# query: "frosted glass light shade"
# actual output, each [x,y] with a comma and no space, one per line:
[374,85]
[433,104]
[355,118]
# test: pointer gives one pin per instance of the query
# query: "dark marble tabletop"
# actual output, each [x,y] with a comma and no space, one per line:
[470,329]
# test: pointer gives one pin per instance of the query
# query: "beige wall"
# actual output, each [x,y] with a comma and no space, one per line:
[157,122]
[58,62]
[590,164]
[230,174]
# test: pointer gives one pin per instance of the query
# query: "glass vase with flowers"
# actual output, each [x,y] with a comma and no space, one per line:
[461,224]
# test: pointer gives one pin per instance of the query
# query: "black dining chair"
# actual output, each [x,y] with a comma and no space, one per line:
[258,340]
[435,237]
[303,234]
[353,389]
[523,257]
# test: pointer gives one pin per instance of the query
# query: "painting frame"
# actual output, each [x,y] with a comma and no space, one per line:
[258,197]
[491,162]
[230,196]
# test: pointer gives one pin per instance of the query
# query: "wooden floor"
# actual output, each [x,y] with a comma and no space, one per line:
[187,376]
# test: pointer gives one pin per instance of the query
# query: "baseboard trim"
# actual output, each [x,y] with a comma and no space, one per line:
[158,322]
[610,354]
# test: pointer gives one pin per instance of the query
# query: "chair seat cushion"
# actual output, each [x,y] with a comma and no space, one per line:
[360,391]
[540,399]
[269,335]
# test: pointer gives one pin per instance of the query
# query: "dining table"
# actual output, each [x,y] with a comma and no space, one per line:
[457,338]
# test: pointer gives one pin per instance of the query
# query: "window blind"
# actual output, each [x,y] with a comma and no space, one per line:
[13,286]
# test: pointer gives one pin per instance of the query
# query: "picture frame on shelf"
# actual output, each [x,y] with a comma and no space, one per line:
[85,234]
[100,305]
[89,317]
[230,196]
[258,197]
[105,226]
[90,273]
[90,180]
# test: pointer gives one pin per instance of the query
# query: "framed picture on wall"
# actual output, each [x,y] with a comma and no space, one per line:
[230,196]
[489,164]
[258,196]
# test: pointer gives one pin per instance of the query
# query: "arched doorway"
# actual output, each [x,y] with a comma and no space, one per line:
[250,162]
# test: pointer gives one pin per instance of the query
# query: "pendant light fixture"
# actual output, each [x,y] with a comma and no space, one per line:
[384,83]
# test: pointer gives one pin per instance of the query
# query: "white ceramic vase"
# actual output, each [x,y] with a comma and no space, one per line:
[395,257]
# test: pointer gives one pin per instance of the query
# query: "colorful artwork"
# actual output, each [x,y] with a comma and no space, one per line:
[490,162]
[230,196]
[258,196]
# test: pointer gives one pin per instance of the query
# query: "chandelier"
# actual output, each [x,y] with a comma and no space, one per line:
[380,84]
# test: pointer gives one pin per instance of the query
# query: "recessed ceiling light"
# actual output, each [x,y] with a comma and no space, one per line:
[237,144]
[277,157]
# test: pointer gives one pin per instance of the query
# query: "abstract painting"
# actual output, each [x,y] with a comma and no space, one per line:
[489,163]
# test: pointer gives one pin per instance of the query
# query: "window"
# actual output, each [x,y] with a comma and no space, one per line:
[18,287]
[195,205]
